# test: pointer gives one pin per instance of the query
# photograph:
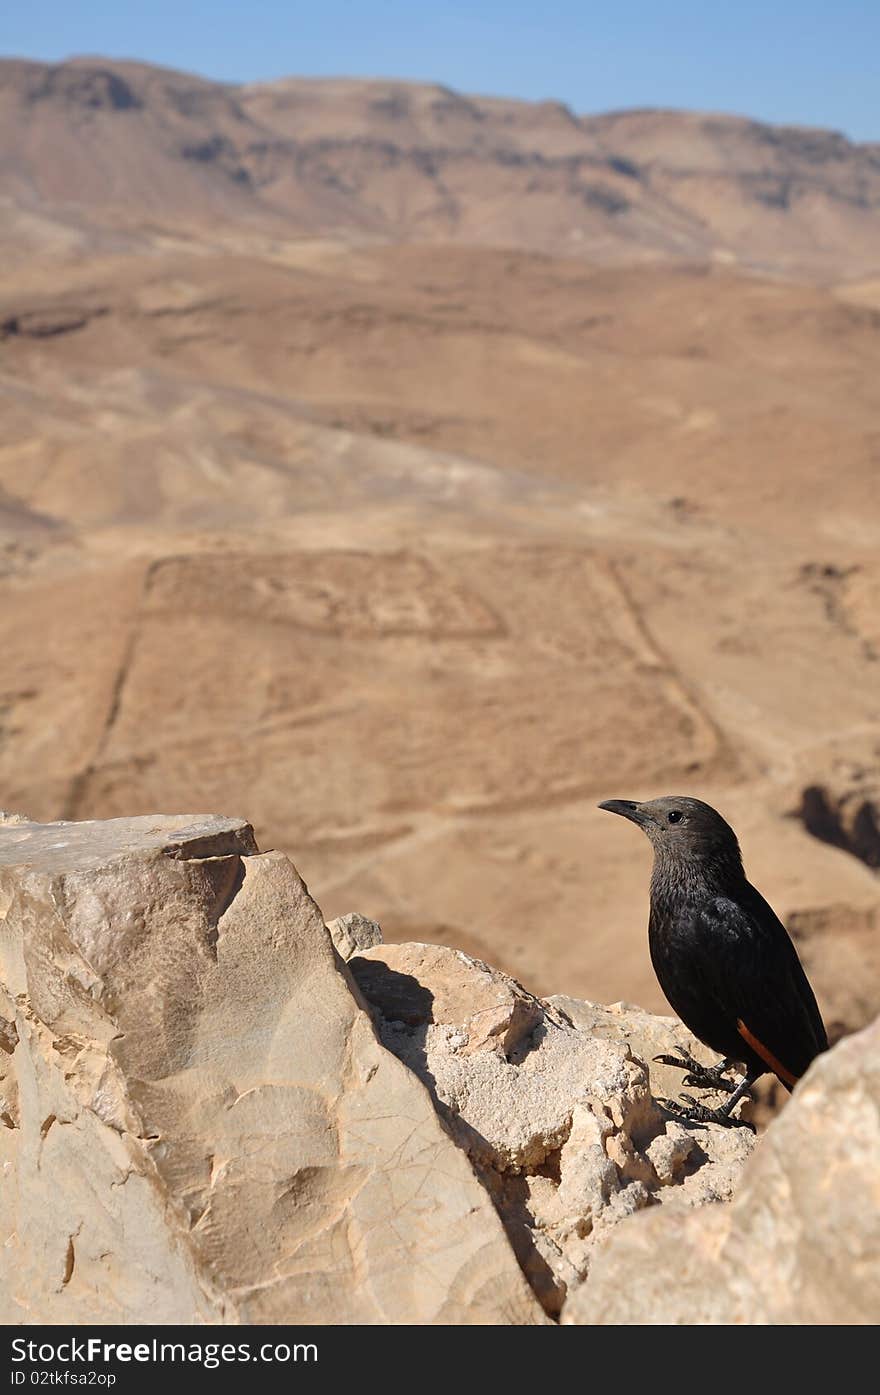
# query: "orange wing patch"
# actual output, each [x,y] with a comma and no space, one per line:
[766,1054]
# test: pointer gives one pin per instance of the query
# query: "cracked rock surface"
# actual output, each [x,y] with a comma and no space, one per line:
[197,1122]
[800,1244]
[552,1101]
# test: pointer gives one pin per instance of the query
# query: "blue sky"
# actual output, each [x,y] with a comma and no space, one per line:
[788,60]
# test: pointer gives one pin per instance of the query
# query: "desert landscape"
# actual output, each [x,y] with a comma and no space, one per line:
[407,472]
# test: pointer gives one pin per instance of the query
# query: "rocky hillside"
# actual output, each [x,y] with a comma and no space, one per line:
[109,150]
[216,1108]
[418,549]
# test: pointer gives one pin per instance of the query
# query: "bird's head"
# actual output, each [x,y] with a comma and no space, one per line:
[680,827]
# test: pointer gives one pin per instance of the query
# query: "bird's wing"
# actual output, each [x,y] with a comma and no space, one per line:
[753,973]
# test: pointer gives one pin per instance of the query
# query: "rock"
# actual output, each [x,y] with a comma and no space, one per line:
[199,1124]
[800,1243]
[669,1153]
[352,933]
[421,983]
[646,1033]
[551,1101]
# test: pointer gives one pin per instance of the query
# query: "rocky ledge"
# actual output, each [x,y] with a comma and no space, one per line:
[215,1108]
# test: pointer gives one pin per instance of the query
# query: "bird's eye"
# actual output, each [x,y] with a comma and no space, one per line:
[674,816]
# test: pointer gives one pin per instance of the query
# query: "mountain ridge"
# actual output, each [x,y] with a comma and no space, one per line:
[391,160]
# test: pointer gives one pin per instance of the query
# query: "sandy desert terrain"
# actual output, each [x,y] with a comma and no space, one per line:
[409,472]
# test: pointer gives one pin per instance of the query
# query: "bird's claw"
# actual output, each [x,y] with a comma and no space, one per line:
[700,1076]
[695,1113]
[683,1061]
[710,1079]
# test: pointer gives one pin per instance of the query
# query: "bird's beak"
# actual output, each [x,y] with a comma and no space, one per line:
[628,808]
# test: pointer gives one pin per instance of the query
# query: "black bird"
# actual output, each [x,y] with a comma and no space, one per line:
[723,958]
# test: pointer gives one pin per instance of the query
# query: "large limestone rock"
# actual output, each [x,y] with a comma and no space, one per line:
[197,1122]
[800,1243]
[552,1102]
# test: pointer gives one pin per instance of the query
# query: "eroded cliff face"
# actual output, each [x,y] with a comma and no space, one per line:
[200,1124]
[215,1108]
[552,1102]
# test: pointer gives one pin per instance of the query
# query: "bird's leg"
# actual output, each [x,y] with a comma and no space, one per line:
[743,1088]
[698,1113]
[703,1077]
[712,1077]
